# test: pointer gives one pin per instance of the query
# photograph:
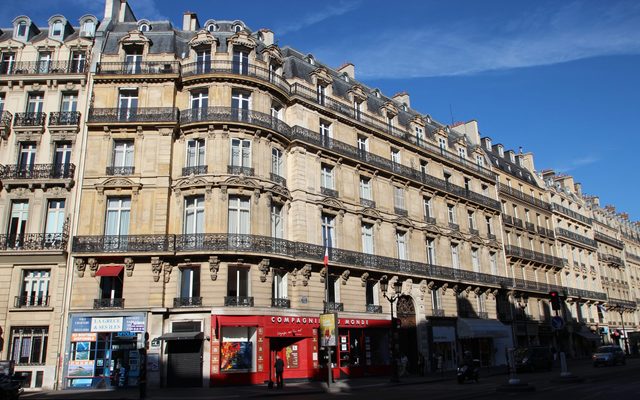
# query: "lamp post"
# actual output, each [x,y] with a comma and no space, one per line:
[384,286]
[621,309]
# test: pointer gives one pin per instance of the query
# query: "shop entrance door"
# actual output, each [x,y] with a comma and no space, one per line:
[293,351]
[185,363]
[407,334]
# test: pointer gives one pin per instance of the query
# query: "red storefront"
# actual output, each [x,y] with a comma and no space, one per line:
[243,348]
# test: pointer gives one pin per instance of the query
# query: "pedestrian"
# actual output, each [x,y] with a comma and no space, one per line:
[403,365]
[279,366]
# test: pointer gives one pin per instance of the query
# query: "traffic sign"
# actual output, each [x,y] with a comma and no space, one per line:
[557,323]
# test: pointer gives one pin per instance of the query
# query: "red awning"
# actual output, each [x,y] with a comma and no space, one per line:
[110,270]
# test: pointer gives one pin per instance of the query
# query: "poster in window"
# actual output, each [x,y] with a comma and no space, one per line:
[292,356]
[82,350]
[80,369]
[236,356]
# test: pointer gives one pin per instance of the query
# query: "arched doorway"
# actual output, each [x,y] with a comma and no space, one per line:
[408,339]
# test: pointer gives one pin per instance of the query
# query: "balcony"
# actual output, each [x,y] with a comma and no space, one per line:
[123,244]
[586,294]
[401,211]
[34,242]
[238,301]
[237,170]
[99,304]
[31,301]
[429,220]
[530,227]
[611,259]
[37,172]
[222,67]
[332,306]
[437,312]
[179,302]
[526,254]
[367,203]
[228,114]
[278,179]
[474,231]
[533,286]
[5,124]
[524,197]
[619,304]
[601,237]
[138,68]
[374,309]
[491,236]
[575,237]
[632,257]
[454,226]
[120,171]
[280,303]
[43,68]
[570,213]
[329,192]
[195,170]
[546,232]
[29,119]
[64,119]
[132,115]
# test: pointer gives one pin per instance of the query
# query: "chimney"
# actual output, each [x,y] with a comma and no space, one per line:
[267,37]
[610,208]
[526,161]
[578,188]
[624,216]
[349,69]
[190,21]
[470,130]
[402,98]
[111,8]
[596,201]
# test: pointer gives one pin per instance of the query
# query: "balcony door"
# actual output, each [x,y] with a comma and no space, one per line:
[133,60]
[78,61]
[241,62]
[117,222]
[203,61]
[8,63]
[54,227]
[199,104]
[35,103]
[189,285]
[194,221]
[18,223]
[26,159]
[35,288]
[127,104]
[69,103]
[62,159]
[241,104]
[44,62]
[195,153]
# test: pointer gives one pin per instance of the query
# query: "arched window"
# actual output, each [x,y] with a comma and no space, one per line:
[144,27]
[56,28]
[237,28]
[345,77]
[212,27]
[21,30]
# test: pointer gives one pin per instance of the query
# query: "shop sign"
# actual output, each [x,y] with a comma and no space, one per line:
[84,337]
[443,334]
[294,320]
[328,329]
[134,324]
[126,334]
[106,324]
[81,324]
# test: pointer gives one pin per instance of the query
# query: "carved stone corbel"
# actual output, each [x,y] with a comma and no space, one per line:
[407,287]
[323,274]
[156,268]
[263,266]
[128,266]
[306,274]
[423,288]
[345,276]
[167,267]
[364,279]
[93,266]
[444,287]
[81,265]
[431,285]
[214,266]
[294,277]
[476,291]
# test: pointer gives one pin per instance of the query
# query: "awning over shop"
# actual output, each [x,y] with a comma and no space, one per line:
[481,328]
[110,270]
[182,336]
[589,335]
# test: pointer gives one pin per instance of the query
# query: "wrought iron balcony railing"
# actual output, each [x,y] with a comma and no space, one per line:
[437,312]
[329,192]
[38,171]
[195,170]
[42,67]
[34,241]
[138,68]
[601,237]
[454,226]
[610,258]
[429,220]
[586,294]
[633,257]
[281,303]
[524,197]
[123,243]
[187,302]
[238,301]
[570,213]
[64,118]
[374,308]
[474,231]
[234,68]
[401,211]
[575,237]
[5,119]
[278,179]
[530,226]
[228,114]
[29,119]
[536,286]
[514,251]
[332,306]
[126,115]
[108,303]
[546,232]
[237,170]
[367,203]
[128,170]
[31,301]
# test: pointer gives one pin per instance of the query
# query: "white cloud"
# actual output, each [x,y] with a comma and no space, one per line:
[576,164]
[543,37]
[332,10]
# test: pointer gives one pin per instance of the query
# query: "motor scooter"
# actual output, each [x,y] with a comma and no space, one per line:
[469,371]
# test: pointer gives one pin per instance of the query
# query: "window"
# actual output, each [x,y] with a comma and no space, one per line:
[237,28]
[512,157]
[123,153]
[485,190]
[195,153]
[276,111]
[238,282]
[334,289]
[475,262]
[395,156]
[494,263]
[133,59]
[455,259]
[426,202]
[471,218]
[326,177]
[8,62]
[365,188]
[240,63]
[447,177]
[241,153]
[401,244]
[398,197]
[203,61]
[423,167]
[239,213]
[488,222]
[480,161]
[419,135]
[35,102]
[241,104]
[431,251]
[371,293]
[69,103]
[526,215]
[54,226]
[1,102]
[199,99]
[88,27]
[390,123]
[118,213]
[367,238]
[481,304]
[442,142]
[280,283]
[35,288]
[21,31]
[26,158]
[462,152]
[29,345]
[363,143]
[435,299]
[515,211]
[189,283]
[320,94]
[127,104]
[144,27]
[276,162]
[328,230]
[18,222]
[357,109]
[325,129]
[111,289]
[277,222]
[193,215]
[212,27]
[56,29]
[451,213]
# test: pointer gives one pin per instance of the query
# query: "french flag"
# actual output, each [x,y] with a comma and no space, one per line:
[327,244]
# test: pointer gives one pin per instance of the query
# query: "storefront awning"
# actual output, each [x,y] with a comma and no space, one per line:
[182,336]
[110,270]
[589,336]
[481,328]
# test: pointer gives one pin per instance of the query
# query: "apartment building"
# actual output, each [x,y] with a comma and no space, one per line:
[43,95]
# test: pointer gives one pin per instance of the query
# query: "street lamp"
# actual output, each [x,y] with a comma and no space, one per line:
[621,309]
[397,288]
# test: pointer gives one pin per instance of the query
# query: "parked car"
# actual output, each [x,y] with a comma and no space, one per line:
[609,355]
[533,358]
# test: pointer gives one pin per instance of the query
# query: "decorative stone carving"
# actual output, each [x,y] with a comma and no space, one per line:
[93,266]
[128,266]
[407,287]
[423,288]
[156,268]
[214,266]
[323,275]
[444,287]
[364,279]
[167,267]
[80,267]
[431,285]
[263,266]
[345,276]
[306,274]
[294,277]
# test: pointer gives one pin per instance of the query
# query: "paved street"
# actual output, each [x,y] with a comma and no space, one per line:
[606,382]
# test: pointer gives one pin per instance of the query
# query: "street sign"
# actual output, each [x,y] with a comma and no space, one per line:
[557,323]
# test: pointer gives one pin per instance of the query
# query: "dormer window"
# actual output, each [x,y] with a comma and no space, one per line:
[144,27]
[21,30]
[462,152]
[56,29]
[345,77]
[442,142]
[311,60]
[376,93]
[405,107]
[512,157]
[88,28]
[212,28]
[501,150]
[237,28]
[487,142]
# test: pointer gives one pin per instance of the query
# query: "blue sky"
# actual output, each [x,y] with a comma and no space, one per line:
[560,78]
